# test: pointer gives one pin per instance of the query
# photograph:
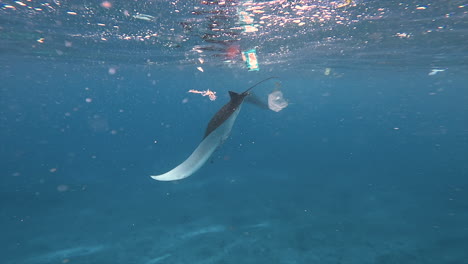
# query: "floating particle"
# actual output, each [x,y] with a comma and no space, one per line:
[20,3]
[112,71]
[327,71]
[144,17]
[276,101]
[68,44]
[41,40]
[185,100]
[53,170]
[106,4]
[88,100]
[435,71]
[201,60]
[210,94]
[62,188]
[72,13]
[200,69]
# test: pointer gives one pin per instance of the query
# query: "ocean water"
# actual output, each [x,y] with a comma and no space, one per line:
[368,163]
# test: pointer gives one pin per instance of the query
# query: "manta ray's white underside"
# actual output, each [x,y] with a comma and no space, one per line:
[202,153]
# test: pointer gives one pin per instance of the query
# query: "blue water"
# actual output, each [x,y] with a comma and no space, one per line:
[367,164]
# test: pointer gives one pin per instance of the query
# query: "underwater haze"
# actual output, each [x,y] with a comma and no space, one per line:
[361,157]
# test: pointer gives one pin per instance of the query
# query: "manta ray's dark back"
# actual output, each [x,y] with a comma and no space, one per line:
[228,109]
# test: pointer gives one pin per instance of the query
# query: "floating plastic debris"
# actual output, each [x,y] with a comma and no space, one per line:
[276,101]
[250,58]
[209,93]
[403,35]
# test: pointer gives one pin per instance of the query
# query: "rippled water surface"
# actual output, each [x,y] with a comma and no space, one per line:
[364,158]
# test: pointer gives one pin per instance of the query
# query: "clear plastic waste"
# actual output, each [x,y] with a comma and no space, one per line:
[276,101]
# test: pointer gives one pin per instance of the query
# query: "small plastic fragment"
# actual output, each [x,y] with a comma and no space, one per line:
[209,93]
[250,58]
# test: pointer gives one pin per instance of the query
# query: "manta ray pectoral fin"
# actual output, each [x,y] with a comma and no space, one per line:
[202,153]
[253,99]
[195,161]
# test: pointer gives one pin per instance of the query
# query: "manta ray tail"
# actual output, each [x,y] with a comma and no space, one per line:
[260,82]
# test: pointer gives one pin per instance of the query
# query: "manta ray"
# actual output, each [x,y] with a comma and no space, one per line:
[216,133]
